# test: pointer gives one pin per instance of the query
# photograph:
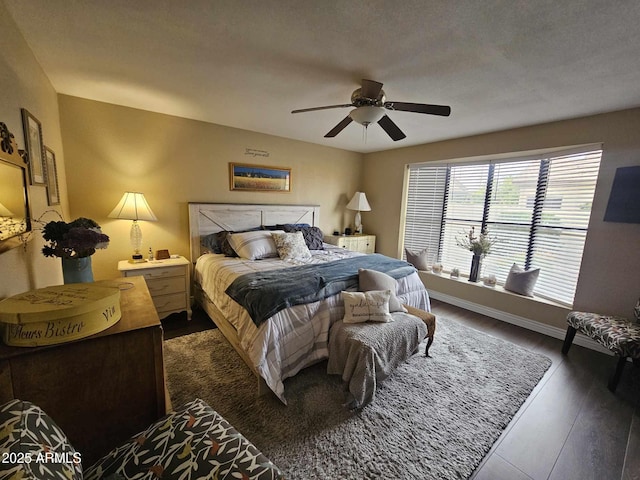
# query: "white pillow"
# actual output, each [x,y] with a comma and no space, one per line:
[291,246]
[254,245]
[360,307]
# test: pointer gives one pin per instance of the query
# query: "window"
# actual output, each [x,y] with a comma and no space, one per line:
[538,208]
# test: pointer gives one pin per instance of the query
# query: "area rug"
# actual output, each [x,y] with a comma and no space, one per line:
[434,418]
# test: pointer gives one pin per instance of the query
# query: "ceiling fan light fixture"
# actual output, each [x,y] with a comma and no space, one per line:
[367,115]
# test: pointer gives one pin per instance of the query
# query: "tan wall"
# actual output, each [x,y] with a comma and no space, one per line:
[609,281]
[173,161]
[24,85]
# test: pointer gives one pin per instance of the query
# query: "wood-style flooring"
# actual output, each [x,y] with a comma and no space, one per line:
[570,428]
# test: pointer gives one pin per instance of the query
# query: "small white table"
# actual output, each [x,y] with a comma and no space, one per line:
[168,282]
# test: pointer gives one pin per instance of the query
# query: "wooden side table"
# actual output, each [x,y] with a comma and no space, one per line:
[168,282]
[101,389]
[356,243]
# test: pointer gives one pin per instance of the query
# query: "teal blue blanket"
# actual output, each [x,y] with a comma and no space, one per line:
[263,294]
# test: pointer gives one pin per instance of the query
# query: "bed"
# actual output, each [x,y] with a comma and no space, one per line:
[293,337]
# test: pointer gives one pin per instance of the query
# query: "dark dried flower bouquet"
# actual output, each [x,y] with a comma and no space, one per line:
[480,245]
[76,239]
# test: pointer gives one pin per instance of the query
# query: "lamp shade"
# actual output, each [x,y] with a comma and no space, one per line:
[133,206]
[359,202]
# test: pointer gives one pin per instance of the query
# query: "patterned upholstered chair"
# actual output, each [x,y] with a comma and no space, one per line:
[194,441]
[620,335]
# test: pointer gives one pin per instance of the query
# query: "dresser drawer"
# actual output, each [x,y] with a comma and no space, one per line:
[167,280]
[173,301]
[158,272]
[165,285]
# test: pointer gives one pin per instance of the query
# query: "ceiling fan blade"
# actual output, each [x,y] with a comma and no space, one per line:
[391,128]
[371,89]
[313,109]
[338,128]
[442,110]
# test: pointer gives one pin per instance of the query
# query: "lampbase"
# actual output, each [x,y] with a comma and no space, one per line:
[358,222]
[137,258]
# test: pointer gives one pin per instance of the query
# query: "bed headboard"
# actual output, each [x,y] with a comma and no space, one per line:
[206,218]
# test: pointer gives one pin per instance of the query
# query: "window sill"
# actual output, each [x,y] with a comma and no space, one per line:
[497,288]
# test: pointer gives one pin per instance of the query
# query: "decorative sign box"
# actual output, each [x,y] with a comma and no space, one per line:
[59,314]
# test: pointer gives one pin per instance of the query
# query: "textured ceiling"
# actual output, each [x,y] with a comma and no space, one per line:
[247,64]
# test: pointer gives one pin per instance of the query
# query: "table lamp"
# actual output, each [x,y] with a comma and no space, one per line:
[133,206]
[360,204]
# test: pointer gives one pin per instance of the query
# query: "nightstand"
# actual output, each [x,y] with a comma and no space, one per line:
[168,282]
[357,243]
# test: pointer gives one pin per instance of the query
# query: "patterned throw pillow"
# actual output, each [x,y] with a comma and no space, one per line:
[194,441]
[360,307]
[291,246]
[312,235]
[636,311]
[33,446]
[521,281]
[417,259]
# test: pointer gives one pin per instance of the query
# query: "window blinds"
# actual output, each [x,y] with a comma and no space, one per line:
[537,206]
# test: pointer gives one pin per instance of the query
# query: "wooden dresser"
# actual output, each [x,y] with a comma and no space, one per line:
[101,389]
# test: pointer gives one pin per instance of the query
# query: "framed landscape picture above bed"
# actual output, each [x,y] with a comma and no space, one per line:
[259,178]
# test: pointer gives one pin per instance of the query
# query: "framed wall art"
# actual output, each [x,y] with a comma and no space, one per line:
[53,194]
[34,146]
[258,178]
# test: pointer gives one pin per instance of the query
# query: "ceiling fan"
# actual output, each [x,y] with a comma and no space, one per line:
[370,104]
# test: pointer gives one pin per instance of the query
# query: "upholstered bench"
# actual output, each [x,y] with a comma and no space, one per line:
[620,335]
[365,354]
[429,320]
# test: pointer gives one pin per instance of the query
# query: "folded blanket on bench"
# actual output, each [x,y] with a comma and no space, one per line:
[365,354]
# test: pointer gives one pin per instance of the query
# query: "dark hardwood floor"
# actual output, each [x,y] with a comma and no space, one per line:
[176,324]
[570,428]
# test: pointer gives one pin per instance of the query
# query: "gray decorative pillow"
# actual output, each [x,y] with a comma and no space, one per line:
[521,281]
[417,259]
[636,311]
[312,235]
[214,241]
[291,246]
[370,280]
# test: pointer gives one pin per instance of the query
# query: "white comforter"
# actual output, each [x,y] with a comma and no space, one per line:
[295,337]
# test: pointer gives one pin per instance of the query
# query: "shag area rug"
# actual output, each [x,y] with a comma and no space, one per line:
[434,418]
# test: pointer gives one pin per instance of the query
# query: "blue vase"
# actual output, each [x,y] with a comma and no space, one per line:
[77,270]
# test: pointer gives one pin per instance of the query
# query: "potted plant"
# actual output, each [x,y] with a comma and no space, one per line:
[74,243]
[480,246]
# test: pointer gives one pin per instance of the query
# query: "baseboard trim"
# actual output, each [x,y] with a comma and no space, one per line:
[523,322]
